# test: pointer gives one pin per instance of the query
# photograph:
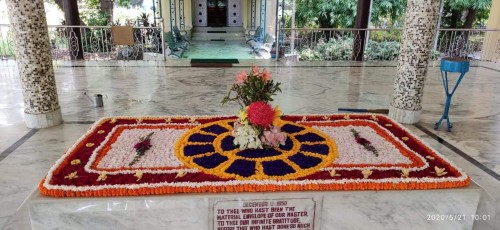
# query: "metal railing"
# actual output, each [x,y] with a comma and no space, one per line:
[302,43]
[93,43]
[382,44]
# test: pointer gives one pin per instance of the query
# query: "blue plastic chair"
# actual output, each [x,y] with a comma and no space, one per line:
[451,65]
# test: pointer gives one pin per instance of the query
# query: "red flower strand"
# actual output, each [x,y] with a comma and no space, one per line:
[364,142]
[141,148]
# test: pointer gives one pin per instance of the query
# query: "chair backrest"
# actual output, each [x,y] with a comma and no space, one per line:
[177,34]
[169,37]
[176,30]
[258,31]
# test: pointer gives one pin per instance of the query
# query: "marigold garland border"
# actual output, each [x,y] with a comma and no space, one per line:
[459,179]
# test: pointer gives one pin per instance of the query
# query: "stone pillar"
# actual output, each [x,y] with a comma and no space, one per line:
[34,62]
[491,44]
[418,36]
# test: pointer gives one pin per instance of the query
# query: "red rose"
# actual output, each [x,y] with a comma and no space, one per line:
[260,114]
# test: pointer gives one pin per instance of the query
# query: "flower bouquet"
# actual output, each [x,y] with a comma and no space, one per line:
[258,123]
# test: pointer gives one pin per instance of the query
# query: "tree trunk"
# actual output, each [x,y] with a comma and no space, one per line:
[362,17]
[59,3]
[107,6]
[72,18]
[469,21]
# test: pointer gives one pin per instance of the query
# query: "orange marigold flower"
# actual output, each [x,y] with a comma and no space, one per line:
[260,114]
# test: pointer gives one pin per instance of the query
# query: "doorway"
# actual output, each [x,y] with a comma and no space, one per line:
[217,13]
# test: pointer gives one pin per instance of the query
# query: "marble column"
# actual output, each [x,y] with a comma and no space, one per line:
[418,36]
[34,62]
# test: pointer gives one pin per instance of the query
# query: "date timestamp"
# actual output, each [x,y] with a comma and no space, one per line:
[456,217]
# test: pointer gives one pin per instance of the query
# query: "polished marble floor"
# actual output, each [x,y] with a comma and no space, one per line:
[26,155]
[219,49]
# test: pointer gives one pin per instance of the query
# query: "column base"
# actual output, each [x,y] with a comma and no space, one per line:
[404,116]
[45,120]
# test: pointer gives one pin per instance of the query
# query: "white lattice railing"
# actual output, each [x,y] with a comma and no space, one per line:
[382,44]
[95,43]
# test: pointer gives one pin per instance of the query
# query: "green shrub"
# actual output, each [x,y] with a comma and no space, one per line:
[7,47]
[382,51]
[334,49]
[386,36]
[341,50]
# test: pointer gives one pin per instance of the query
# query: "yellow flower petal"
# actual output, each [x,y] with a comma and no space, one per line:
[89,144]
[405,172]
[113,121]
[440,171]
[138,120]
[180,174]
[71,176]
[277,116]
[102,177]
[101,131]
[75,162]
[277,111]
[242,115]
[168,120]
[304,118]
[138,174]
[333,173]
[347,117]
[366,173]
[326,118]
[388,125]
[374,117]
[192,119]
[405,138]
[430,157]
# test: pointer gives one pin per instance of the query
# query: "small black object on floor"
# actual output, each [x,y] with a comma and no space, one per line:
[213,62]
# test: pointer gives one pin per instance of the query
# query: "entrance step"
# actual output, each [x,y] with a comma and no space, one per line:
[227,29]
[218,34]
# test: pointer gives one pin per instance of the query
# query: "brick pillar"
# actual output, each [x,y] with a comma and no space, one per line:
[34,62]
[418,36]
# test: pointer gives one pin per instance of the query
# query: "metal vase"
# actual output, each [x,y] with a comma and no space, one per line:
[97,99]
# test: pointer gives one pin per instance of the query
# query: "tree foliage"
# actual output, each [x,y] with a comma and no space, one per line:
[92,13]
[455,12]
[129,3]
[467,4]
[385,13]
[342,13]
[325,14]
[388,13]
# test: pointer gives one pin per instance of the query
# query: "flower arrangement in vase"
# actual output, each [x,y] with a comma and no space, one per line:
[258,123]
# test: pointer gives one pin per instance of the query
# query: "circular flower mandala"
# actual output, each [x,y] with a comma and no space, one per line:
[209,148]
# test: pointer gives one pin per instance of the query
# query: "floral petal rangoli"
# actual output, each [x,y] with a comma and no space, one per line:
[306,152]
[320,153]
